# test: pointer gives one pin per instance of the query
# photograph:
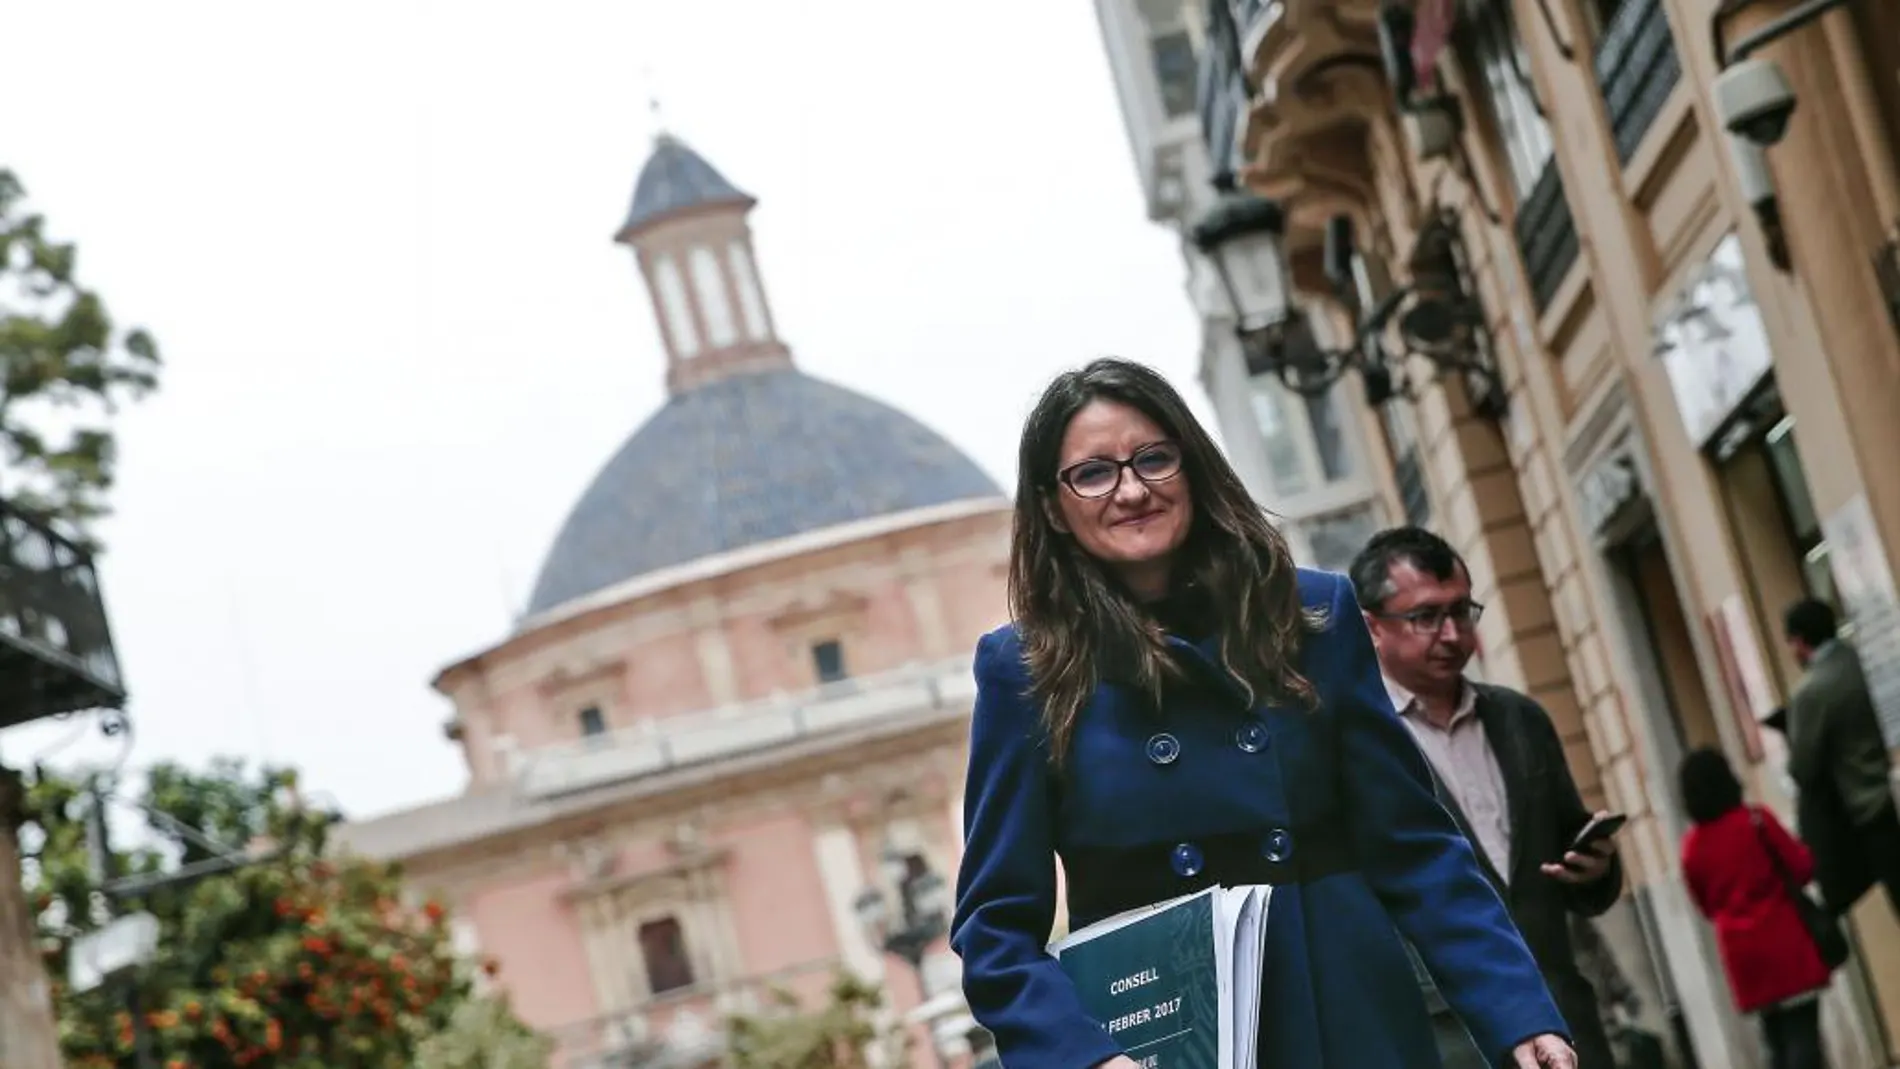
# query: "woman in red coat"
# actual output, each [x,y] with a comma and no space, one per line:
[1773,966]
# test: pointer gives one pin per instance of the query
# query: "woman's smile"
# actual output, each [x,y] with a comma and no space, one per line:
[1141,519]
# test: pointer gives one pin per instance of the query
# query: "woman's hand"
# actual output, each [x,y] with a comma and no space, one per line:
[1120,1061]
[1543,1052]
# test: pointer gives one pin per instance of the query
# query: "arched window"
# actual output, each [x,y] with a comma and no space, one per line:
[751,298]
[674,307]
[709,285]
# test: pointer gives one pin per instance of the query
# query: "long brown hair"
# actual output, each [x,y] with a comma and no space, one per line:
[1070,610]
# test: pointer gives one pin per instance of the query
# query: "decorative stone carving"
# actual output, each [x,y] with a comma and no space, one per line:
[1606,488]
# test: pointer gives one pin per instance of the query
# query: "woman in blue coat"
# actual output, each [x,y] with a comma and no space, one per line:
[1176,706]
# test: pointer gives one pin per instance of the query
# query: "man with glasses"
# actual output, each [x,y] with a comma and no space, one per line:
[1498,766]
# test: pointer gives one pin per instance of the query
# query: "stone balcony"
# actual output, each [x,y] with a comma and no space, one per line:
[658,745]
[684,1029]
[690,751]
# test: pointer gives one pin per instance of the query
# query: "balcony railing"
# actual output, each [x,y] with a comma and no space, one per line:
[695,738]
[56,652]
[1546,236]
[683,1029]
[1637,67]
[1409,472]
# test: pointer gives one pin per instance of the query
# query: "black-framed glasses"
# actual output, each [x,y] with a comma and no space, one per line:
[1430,619]
[1100,477]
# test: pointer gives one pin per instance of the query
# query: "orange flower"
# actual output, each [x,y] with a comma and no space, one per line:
[316,945]
[434,911]
[193,1010]
[274,1036]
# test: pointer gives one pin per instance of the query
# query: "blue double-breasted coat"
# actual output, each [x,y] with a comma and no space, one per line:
[1165,790]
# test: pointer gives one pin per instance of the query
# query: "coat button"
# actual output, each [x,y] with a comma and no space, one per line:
[1252,736]
[1163,748]
[1277,846]
[1186,860]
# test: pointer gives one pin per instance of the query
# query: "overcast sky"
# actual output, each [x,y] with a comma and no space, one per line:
[373,241]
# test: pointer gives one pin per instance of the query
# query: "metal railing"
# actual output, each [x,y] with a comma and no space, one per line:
[670,742]
[56,653]
[1637,68]
[1409,473]
[683,1029]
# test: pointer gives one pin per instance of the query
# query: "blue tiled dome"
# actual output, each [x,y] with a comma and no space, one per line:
[743,460]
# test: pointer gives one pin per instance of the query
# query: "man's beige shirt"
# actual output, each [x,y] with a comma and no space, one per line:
[1465,763]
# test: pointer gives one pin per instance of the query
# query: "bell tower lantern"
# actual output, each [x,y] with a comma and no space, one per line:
[689,233]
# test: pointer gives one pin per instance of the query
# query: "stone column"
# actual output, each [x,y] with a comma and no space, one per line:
[926,604]
[715,652]
[836,847]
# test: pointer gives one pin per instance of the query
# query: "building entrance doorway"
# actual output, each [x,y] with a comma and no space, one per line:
[1778,535]
[1682,718]
[1642,565]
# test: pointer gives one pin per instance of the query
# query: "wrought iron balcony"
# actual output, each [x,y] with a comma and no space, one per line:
[1637,68]
[696,738]
[1409,471]
[56,653]
[1546,236]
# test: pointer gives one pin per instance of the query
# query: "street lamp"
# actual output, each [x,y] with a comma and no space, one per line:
[907,928]
[1243,236]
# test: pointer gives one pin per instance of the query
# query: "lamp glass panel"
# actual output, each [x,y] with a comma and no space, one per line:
[1252,266]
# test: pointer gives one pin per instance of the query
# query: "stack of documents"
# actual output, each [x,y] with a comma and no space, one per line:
[1177,984]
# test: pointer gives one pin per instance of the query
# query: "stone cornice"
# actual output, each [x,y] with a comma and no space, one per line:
[838,782]
[585,613]
[517,662]
[663,881]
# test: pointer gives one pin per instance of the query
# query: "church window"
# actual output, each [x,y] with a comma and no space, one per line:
[674,308]
[663,950]
[827,660]
[751,298]
[593,724]
[709,285]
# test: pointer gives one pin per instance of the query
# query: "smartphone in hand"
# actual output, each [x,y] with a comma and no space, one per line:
[1599,829]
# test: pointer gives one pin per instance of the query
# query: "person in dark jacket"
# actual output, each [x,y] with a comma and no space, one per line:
[1732,860]
[1497,765]
[1839,760]
[1178,706]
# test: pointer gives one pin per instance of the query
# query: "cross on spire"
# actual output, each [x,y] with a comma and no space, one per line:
[653,102]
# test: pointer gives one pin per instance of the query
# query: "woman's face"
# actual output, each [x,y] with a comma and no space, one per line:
[1121,493]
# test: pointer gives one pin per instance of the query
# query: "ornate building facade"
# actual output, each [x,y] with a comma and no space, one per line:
[1682,307]
[1316,461]
[730,732]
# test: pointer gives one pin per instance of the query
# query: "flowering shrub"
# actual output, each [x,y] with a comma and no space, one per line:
[299,960]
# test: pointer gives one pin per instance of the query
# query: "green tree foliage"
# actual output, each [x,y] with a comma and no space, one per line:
[841,1034]
[484,1034]
[63,366]
[297,960]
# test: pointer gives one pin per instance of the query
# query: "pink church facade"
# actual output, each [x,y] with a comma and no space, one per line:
[739,699]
